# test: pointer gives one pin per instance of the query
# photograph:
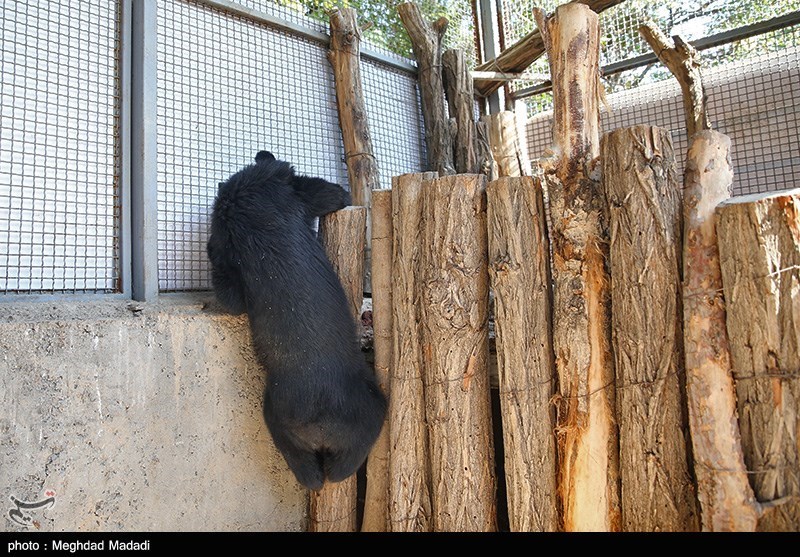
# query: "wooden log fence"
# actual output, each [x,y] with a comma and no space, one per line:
[637,404]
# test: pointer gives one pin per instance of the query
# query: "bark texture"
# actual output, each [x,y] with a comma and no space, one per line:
[587,434]
[409,463]
[645,219]
[726,499]
[376,498]
[460,100]
[426,41]
[519,270]
[759,244]
[343,235]
[455,302]
[504,144]
[362,168]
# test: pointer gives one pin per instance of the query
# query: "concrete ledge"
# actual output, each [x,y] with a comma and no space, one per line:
[137,417]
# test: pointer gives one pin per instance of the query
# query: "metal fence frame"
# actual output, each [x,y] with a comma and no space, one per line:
[137,137]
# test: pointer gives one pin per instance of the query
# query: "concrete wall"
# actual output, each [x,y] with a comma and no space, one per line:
[136,417]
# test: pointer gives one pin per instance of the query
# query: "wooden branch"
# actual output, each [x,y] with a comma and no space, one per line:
[519,269]
[759,245]
[684,63]
[376,503]
[587,442]
[409,463]
[333,508]
[644,200]
[455,302]
[524,52]
[362,169]
[460,99]
[426,41]
[726,498]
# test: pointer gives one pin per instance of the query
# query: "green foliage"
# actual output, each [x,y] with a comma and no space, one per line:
[385,28]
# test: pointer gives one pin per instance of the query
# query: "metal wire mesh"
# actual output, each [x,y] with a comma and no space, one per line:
[754,102]
[59,179]
[395,120]
[620,38]
[228,87]
[380,38]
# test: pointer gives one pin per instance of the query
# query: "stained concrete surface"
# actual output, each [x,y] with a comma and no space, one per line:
[136,417]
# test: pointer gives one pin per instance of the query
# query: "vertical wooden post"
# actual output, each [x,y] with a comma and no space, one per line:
[504,144]
[523,53]
[376,504]
[588,447]
[426,41]
[409,464]
[519,269]
[362,169]
[333,508]
[460,99]
[726,498]
[644,201]
[455,302]
[759,248]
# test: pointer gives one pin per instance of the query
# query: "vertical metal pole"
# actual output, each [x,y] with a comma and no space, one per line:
[124,145]
[143,169]
[490,43]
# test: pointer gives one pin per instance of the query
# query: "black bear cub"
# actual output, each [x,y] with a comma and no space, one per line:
[322,404]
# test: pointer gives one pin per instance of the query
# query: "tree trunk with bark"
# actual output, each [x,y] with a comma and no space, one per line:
[504,144]
[683,62]
[587,440]
[460,99]
[455,325]
[362,169]
[426,41]
[644,201]
[409,463]
[376,503]
[519,269]
[726,499]
[759,245]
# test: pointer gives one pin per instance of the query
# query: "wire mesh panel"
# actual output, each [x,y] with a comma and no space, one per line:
[379,20]
[620,38]
[755,102]
[229,87]
[395,120]
[59,179]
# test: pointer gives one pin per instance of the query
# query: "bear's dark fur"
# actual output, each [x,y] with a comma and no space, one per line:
[322,404]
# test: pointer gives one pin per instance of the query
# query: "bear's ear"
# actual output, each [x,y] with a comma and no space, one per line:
[263,156]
